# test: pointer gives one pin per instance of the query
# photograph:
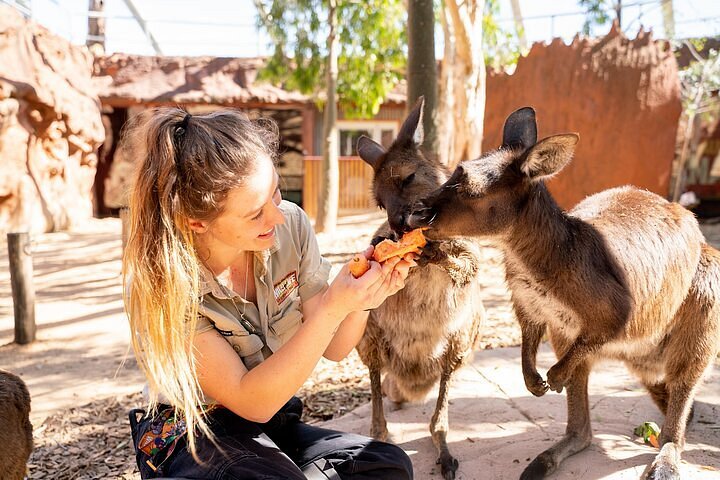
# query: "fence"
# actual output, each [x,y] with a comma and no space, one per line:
[355,183]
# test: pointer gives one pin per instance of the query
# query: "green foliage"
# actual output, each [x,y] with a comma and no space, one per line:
[596,13]
[372,44]
[501,47]
[700,82]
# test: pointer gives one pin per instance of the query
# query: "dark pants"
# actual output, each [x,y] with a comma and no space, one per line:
[283,448]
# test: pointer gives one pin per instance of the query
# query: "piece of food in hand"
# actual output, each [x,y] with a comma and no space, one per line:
[411,242]
[359,265]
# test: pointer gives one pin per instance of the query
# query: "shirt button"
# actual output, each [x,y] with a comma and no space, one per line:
[236,348]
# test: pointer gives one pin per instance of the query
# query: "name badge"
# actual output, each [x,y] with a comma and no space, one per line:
[285,287]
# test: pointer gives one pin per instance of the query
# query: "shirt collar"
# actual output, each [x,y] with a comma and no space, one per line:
[210,284]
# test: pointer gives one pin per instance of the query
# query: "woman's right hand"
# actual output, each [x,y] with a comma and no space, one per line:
[373,287]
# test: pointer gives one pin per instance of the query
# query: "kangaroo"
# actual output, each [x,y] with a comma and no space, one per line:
[429,329]
[16,431]
[624,275]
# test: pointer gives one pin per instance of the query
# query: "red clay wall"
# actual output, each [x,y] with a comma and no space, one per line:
[622,96]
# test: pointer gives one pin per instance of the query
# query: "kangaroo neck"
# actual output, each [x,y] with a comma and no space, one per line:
[544,235]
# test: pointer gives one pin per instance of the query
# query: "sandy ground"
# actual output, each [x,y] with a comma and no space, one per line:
[83,378]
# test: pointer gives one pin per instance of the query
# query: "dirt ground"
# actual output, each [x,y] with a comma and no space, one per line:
[83,378]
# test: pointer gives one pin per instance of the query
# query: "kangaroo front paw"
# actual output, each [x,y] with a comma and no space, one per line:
[535,384]
[557,378]
[448,466]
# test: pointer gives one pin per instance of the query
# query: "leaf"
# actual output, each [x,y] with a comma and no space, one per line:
[650,432]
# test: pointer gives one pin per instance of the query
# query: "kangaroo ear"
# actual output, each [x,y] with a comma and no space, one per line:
[520,129]
[369,150]
[549,155]
[412,127]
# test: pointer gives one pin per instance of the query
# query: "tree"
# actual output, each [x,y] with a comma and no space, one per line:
[668,18]
[370,37]
[519,27]
[461,105]
[96,27]
[698,81]
[597,12]
[422,66]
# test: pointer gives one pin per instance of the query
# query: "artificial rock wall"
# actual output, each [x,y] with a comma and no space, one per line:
[622,96]
[50,128]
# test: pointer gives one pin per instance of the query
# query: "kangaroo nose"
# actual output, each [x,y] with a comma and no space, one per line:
[398,223]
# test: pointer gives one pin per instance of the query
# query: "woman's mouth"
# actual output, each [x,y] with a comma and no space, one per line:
[267,235]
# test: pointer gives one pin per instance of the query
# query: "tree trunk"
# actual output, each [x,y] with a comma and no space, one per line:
[668,19]
[96,28]
[461,105]
[328,197]
[519,27]
[618,13]
[422,68]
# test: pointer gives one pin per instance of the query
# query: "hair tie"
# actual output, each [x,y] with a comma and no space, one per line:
[179,132]
[182,126]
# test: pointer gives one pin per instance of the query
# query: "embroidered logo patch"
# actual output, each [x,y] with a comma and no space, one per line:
[284,287]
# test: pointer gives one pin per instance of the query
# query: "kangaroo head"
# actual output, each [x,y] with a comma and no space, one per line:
[485,196]
[403,175]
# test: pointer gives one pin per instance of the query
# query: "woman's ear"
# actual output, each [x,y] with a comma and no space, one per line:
[197,226]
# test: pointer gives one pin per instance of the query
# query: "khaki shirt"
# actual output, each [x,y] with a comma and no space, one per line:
[287,274]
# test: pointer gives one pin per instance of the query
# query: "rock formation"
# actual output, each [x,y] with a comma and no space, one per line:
[50,128]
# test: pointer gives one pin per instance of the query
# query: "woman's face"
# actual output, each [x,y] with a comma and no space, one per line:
[250,215]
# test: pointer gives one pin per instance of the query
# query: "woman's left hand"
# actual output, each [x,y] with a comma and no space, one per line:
[350,294]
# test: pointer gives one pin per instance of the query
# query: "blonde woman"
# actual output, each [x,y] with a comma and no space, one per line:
[230,309]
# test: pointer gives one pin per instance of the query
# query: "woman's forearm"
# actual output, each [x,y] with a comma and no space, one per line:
[347,337]
[266,388]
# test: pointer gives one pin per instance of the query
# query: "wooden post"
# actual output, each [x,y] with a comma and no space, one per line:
[21,281]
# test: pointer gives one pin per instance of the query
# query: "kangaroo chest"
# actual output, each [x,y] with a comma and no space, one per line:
[536,298]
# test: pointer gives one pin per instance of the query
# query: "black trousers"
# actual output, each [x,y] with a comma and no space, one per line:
[283,448]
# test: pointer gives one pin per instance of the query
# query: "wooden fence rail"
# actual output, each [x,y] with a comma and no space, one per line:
[355,184]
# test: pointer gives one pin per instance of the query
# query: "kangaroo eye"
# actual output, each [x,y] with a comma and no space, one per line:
[408,180]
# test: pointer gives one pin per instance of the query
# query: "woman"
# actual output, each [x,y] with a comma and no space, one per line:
[230,309]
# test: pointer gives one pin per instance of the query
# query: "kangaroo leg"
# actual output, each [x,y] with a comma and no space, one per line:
[439,428]
[692,347]
[672,436]
[578,434]
[378,428]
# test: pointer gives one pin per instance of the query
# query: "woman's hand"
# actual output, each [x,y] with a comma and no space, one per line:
[373,287]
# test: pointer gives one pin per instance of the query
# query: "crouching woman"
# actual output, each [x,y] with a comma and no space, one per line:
[230,309]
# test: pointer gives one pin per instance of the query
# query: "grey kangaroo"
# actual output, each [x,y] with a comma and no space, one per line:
[15,427]
[624,275]
[429,329]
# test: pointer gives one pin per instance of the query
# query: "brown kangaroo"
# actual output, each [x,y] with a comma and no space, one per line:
[15,427]
[624,275]
[429,329]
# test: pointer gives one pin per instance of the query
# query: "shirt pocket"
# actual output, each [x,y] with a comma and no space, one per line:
[248,346]
[282,328]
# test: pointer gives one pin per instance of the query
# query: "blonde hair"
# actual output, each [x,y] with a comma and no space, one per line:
[186,167]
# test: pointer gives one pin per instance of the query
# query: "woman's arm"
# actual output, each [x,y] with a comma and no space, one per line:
[259,393]
[352,328]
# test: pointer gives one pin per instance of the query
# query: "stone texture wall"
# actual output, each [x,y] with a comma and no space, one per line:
[622,96]
[50,128]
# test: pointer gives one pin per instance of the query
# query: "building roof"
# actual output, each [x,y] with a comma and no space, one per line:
[123,80]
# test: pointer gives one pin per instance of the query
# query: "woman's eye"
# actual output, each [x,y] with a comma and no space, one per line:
[258,216]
